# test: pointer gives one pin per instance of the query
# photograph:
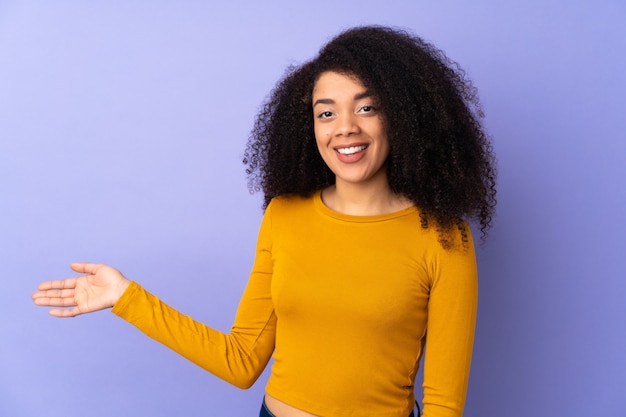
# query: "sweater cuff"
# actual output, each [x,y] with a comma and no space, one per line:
[123,304]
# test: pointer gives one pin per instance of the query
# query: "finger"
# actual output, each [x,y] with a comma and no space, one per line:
[70,312]
[54,293]
[57,284]
[55,301]
[85,267]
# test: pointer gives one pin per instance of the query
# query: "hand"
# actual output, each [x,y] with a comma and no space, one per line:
[100,288]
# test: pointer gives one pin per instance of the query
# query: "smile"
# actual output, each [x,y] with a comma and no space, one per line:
[351,150]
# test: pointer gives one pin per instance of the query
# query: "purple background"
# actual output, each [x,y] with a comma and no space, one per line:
[122,126]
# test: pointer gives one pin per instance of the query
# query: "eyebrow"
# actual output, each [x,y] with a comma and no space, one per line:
[364,94]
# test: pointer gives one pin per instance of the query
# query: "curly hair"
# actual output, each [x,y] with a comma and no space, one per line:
[440,158]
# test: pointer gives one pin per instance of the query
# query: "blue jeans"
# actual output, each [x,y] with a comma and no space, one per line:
[265,412]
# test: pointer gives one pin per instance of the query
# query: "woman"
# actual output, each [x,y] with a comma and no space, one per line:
[371,158]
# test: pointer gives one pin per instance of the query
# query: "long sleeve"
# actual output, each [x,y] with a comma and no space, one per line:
[337,299]
[451,321]
[238,357]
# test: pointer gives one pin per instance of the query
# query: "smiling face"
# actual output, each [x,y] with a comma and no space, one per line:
[349,129]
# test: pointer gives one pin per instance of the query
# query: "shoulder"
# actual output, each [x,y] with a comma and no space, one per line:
[289,204]
[288,216]
[290,211]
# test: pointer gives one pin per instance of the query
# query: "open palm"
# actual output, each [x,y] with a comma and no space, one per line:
[100,288]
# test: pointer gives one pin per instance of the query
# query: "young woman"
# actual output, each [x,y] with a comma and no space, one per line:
[372,159]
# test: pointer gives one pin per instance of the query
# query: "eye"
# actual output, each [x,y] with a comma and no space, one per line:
[367,109]
[325,115]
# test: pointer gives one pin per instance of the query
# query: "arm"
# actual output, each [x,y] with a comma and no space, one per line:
[238,357]
[450,335]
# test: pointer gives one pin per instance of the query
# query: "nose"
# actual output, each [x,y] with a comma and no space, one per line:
[347,125]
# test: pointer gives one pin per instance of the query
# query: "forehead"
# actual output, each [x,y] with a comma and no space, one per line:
[336,83]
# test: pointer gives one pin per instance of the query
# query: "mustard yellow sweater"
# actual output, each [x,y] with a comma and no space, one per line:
[345,304]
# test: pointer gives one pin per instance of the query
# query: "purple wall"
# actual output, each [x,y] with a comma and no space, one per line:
[121,133]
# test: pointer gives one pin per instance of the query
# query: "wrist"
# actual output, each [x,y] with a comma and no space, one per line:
[121,289]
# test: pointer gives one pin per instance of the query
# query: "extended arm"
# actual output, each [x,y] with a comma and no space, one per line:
[238,357]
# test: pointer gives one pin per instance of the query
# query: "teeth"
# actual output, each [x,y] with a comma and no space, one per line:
[351,150]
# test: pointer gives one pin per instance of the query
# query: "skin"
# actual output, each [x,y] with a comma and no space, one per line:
[346,116]
[98,289]
[352,140]
[347,119]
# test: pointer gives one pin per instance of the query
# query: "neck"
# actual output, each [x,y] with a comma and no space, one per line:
[371,199]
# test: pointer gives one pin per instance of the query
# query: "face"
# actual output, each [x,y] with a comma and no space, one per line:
[349,129]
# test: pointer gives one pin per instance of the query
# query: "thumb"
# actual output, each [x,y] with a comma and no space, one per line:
[86,267]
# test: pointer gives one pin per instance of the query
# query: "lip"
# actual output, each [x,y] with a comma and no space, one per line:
[353,157]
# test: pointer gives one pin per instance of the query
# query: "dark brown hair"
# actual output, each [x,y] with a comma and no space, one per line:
[440,157]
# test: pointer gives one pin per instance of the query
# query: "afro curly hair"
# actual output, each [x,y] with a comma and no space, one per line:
[440,157]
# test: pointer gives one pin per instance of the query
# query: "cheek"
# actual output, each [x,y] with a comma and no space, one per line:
[322,148]
[318,141]
[322,136]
